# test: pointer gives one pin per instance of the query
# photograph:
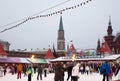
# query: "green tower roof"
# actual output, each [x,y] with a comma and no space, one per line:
[61,24]
[109,21]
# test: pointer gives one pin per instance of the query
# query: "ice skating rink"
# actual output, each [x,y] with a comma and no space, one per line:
[50,77]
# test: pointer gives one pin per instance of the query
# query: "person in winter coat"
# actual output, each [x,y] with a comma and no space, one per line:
[40,70]
[105,70]
[30,72]
[87,69]
[12,70]
[117,70]
[19,71]
[1,71]
[45,71]
[5,70]
[63,72]
[75,72]
[69,72]
[58,72]
[117,74]
[110,74]
[24,70]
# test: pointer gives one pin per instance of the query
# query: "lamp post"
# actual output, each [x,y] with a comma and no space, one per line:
[32,58]
[73,57]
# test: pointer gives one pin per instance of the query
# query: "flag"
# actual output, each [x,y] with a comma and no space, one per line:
[90,53]
[87,53]
[82,53]
[93,53]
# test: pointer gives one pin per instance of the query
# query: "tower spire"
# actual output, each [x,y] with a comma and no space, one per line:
[109,30]
[61,24]
[61,38]
[109,21]
[98,46]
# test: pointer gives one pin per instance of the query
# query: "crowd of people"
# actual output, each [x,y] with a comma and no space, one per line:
[73,69]
[25,69]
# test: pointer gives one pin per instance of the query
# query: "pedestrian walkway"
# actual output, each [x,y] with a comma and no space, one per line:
[50,77]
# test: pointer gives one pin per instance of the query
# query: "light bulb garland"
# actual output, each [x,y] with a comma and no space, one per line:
[46,15]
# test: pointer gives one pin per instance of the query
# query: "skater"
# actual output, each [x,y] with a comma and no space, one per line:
[24,70]
[69,72]
[1,71]
[105,71]
[75,72]
[19,71]
[4,70]
[39,72]
[58,72]
[117,74]
[45,71]
[29,73]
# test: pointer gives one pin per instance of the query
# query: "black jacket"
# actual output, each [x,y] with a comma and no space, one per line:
[117,70]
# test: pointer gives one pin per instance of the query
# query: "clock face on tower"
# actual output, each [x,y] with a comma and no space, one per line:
[61,35]
[61,46]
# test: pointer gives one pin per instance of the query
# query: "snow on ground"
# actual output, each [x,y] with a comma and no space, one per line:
[50,77]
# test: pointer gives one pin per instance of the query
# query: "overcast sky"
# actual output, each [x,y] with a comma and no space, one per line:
[83,25]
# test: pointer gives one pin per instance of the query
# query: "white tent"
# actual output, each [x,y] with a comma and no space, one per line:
[112,57]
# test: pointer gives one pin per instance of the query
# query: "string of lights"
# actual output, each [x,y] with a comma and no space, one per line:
[36,13]
[47,15]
